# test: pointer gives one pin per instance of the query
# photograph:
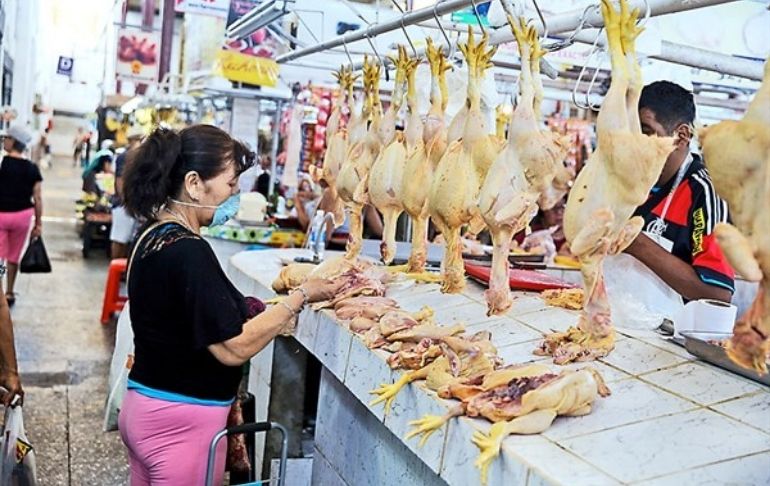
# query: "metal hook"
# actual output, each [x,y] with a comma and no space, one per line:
[449,44]
[542,19]
[345,46]
[379,58]
[594,50]
[647,13]
[403,27]
[478,17]
[559,45]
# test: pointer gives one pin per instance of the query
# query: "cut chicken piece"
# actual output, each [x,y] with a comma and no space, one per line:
[292,276]
[457,180]
[567,298]
[616,179]
[737,155]
[368,282]
[365,306]
[399,320]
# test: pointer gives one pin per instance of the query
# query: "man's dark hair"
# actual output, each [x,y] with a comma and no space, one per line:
[671,103]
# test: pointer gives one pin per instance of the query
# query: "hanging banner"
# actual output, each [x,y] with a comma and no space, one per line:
[249,60]
[138,55]
[216,8]
[65,66]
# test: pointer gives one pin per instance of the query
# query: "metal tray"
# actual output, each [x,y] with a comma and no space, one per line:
[696,343]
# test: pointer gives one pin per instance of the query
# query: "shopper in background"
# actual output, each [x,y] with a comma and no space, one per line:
[20,200]
[123,225]
[9,372]
[305,201]
[102,164]
[677,241]
[191,327]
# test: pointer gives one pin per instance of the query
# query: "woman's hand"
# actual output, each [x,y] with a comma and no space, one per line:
[9,379]
[37,231]
[317,289]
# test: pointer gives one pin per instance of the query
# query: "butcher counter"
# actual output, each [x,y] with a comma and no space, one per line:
[671,419]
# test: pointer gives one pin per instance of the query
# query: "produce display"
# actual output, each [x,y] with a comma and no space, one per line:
[737,153]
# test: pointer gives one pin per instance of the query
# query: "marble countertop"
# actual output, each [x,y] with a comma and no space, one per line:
[671,419]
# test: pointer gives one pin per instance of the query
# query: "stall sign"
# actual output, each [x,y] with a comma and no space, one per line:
[65,66]
[216,8]
[243,68]
[138,55]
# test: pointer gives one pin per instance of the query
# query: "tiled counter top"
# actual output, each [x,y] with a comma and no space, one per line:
[671,419]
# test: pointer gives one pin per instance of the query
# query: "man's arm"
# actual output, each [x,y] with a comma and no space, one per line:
[679,275]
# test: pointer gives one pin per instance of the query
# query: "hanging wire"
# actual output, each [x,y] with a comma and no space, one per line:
[582,23]
[379,58]
[542,19]
[449,44]
[594,50]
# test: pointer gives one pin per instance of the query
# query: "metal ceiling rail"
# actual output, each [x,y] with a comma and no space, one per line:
[374,30]
[561,25]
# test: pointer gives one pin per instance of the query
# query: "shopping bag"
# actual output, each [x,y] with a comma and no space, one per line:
[122,360]
[17,457]
[35,259]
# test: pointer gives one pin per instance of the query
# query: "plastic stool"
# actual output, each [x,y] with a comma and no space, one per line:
[113,301]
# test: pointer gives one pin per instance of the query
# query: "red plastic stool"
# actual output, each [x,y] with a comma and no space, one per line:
[113,301]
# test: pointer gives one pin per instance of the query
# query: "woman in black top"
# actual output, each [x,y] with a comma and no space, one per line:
[20,199]
[191,327]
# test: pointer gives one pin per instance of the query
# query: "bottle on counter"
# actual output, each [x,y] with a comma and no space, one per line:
[318,235]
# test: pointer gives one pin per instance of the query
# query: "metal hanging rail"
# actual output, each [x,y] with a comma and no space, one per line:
[562,24]
[374,30]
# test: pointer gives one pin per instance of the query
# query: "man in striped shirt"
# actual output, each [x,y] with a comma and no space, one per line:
[677,241]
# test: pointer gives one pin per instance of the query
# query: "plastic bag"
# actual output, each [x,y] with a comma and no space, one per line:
[122,359]
[639,299]
[35,259]
[17,457]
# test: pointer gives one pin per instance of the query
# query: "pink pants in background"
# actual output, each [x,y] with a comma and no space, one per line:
[14,229]
[168,442]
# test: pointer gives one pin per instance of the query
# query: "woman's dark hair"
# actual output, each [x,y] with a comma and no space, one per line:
[156,169]
[18,146]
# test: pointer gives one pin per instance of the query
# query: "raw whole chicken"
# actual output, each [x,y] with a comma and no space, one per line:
[520,400]
[387,172]
[456,182]
[737,154]
[616,179]
[425,144]
[352,181]
[521,173]
[369,282]
[336,143]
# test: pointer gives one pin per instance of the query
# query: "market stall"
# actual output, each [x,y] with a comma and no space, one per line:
[602,379]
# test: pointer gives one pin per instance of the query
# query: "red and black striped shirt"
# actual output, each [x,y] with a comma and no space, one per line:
[694,211]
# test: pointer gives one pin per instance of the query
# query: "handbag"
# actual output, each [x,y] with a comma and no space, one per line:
[35,259]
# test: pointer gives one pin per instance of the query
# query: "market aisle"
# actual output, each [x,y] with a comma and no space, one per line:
[64,351]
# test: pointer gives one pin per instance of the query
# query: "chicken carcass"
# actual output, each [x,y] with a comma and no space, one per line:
[456,182]
[616,179]
[737,154]
[426,143]
[336,143]
[387,172]
[352,181]
[520,174]
[369,282]
[364,306]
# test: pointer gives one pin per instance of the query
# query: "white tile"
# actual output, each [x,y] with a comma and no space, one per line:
[631,401]
[550,464]
[550,319]
[665,343]
[467,313]
[520,353]
[750,470]
[366,371]
[526,302]
[753,410]
[505,331]
[332,346]
[415,402]
[636,357]
[409,288]
[307,327]
[667,445]
[701,384]
[475,291]
[460,454]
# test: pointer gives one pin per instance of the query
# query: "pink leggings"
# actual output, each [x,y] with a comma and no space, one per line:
[14,229]
[168,442]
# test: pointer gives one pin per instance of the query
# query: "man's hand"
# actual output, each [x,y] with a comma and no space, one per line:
[9,379]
